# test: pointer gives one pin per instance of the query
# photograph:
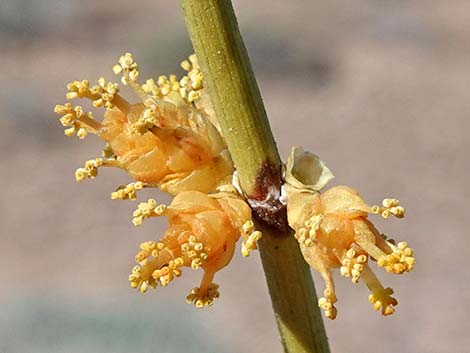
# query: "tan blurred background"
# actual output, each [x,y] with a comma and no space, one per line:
[378,88]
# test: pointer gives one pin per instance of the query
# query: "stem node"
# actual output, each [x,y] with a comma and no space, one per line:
[237,102]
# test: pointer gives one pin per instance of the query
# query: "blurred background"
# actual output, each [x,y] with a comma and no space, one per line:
[378,88]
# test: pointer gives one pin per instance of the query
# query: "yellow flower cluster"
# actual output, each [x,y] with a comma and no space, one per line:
[170,140]
[165,141]
[203,231]
[333,231]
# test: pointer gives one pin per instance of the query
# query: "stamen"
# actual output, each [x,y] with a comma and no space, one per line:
[164,89]
[195,251]
[79,123]
[200,298]
[101,94]
[353,264]
[193,83]
[156,265]
[389,207]
[251,237]
[400,260]
[327,304]
[306,235]
[168,273]
[90,171]
[129,70]
[157,114]
[127,192]
[146,210]
[380,297]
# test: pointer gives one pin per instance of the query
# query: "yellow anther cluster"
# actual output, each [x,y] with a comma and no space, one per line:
[195,252]
[149,273]
[78,89]
[146,210]
[101,94]
[72,119]
[135,278]
[163,87]
[151,88]
[148,248]
[128,68]
[107,91]
[389,207]
[188,87]
[327,304]
[251,237]
[200,298]
[306,235]
[193,82]
[90,171]
[382,298]
[168,273]
[400,260]
[352,265]
[148,119]
[127,192]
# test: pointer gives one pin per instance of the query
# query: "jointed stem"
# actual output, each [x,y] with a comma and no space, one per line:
[237,102]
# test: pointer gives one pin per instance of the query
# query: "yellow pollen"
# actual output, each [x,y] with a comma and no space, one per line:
[251,238]
[90,171]
[195,251]
[389,207]
[127,192]
[400,260]
[76,121]
[352,265]
[146,210]
[128,68]
[202,299]
[327,304]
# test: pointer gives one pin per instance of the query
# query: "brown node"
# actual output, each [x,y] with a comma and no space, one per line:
[265,199]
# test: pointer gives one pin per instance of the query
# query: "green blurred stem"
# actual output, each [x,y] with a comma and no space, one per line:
[233,90]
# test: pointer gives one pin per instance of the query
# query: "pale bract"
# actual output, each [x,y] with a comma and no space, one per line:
[306,171]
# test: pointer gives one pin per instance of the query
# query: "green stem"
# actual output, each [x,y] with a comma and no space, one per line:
[237,102]
[232,86]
